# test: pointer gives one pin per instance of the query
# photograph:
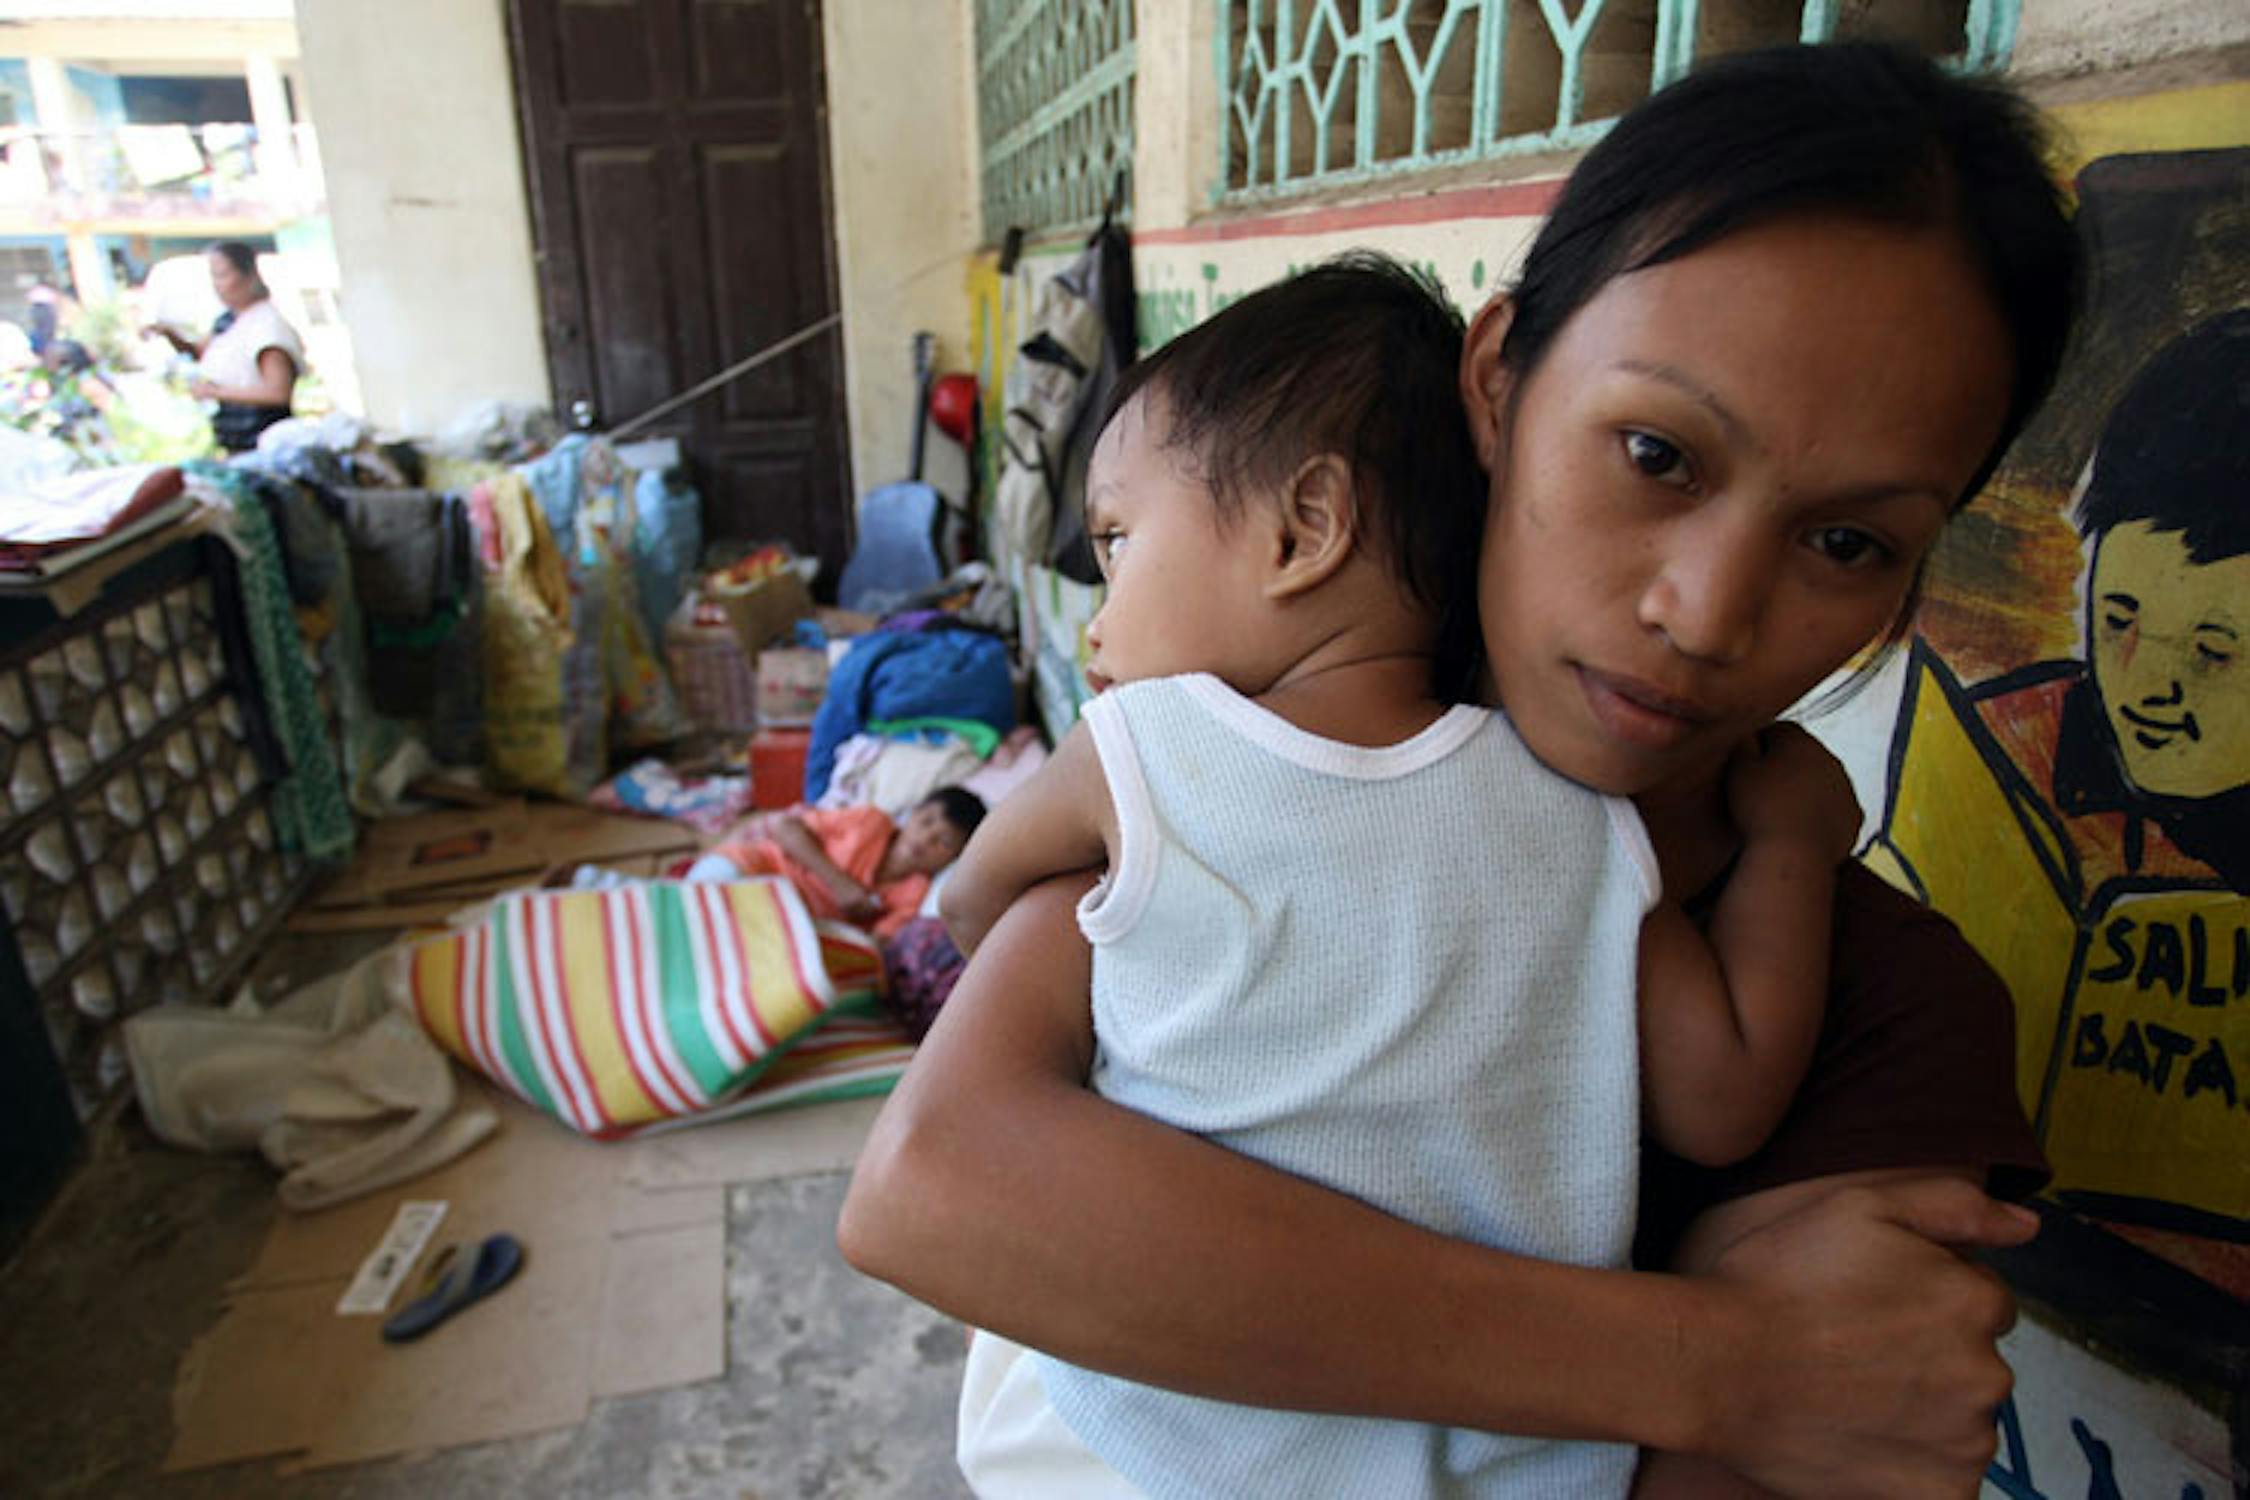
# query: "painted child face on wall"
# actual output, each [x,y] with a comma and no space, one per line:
[2166,642]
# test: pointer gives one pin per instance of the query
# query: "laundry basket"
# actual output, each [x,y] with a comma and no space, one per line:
[717,683]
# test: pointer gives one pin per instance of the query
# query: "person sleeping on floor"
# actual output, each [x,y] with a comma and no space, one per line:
[853,864]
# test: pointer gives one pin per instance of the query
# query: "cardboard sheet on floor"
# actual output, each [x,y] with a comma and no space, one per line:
[282,1373]
[651,1337]
[622,1290]
[754,1148]
[534,1179]
[466,852]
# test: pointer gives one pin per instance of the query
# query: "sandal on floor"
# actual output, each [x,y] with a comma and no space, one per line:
[455,1281]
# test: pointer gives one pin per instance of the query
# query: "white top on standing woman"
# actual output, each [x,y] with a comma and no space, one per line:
[250,361]
[1782,322]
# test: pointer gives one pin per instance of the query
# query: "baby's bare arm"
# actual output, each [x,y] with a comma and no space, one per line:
[1728,1022]
[1058,821]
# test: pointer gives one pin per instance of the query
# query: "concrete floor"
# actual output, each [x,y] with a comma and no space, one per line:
[835,1387]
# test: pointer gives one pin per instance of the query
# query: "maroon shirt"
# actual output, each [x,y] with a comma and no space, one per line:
[1915,1068]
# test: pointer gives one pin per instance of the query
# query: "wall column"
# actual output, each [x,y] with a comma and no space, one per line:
[89,268]
[433,231]
[1175,113]
[906,221]
[269,112]
[59,124]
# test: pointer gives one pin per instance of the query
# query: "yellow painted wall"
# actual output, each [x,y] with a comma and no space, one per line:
[426,196]
[2186,119]
[902,162]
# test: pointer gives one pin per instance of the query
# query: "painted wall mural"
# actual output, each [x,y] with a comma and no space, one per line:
[2070,768]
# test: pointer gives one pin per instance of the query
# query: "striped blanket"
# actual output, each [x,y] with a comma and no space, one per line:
[615,1010]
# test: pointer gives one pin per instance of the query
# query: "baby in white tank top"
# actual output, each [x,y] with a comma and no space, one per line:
[1347,928]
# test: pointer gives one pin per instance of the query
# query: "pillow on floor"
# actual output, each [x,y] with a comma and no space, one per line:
[613,1009]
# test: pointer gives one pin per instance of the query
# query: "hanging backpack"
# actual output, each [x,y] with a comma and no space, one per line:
[1057,389]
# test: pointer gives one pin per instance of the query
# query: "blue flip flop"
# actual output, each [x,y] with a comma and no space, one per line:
[453,1283]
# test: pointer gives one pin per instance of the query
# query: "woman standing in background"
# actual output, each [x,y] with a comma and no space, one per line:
[250,362]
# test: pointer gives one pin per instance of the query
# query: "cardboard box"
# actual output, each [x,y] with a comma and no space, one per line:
[791,682]
[765,610]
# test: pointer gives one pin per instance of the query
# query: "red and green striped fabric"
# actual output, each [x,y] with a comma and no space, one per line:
[613,1009]
[848,1056]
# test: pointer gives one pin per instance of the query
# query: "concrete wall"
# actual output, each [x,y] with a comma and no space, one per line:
[902,159]
[2061,37]
[416,108]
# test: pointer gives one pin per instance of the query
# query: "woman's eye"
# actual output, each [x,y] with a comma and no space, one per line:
[1659,460]
[2217,656]
[1848,545]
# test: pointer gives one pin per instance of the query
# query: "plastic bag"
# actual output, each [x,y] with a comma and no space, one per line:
[546,709]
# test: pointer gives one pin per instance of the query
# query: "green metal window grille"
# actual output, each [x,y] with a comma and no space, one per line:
[1054,109]
[1317,92]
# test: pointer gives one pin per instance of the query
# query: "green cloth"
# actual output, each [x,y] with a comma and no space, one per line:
[309,810]
[975,733]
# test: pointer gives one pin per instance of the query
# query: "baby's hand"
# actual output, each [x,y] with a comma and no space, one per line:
[1783,784]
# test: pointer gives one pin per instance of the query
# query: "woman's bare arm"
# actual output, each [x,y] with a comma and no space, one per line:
[1836,1352]
[277,382]
[185,343]
[1676,1476]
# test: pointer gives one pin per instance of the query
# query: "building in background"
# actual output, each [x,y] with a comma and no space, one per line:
[135,132]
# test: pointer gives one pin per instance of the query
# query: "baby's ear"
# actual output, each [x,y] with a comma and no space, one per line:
[1319,526]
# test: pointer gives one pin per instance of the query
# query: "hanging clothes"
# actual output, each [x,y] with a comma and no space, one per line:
[309,809]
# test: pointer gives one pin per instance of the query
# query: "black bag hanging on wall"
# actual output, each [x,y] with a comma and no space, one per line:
[1105,272]
[1082,338]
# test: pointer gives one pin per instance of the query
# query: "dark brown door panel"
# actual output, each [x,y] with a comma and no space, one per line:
[677,164]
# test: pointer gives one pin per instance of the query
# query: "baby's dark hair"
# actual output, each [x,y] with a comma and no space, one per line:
[1862,128]
[963,808]
[1358,357]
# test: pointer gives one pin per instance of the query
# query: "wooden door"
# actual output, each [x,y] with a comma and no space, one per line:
[676,156]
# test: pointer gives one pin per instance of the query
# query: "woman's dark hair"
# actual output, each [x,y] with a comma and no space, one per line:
[963,808]
[1862,128]
[2175,451]
[236,254]
[1359,357]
